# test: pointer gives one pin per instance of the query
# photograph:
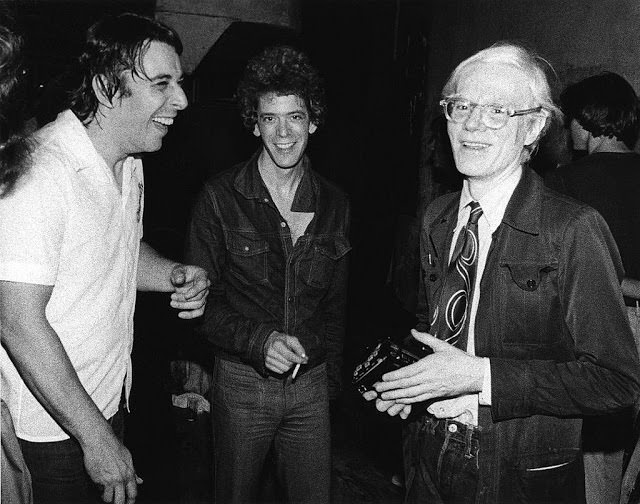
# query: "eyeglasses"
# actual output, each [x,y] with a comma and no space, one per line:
[493,116]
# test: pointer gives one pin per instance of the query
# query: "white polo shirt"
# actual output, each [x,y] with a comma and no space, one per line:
[67,225]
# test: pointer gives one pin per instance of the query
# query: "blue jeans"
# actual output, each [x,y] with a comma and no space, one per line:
[251,413]
[441,461]
[57,469]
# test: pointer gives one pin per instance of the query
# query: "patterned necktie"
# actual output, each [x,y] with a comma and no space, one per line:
[451,314]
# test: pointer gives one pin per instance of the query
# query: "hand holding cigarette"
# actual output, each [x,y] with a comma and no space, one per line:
[282,352]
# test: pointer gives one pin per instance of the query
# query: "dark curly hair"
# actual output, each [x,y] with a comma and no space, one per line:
[14,147]
[604,104]
[282,70]
[114,45]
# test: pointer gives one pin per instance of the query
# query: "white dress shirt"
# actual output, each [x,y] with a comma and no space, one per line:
[493,204]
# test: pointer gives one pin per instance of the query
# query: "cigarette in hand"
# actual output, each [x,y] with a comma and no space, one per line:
[295,371]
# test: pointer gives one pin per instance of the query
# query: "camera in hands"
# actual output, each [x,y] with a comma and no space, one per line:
[385,357]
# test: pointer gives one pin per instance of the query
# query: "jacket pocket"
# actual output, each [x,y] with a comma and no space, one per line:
[325,254]
[247,256]
[528,275]
[528,299]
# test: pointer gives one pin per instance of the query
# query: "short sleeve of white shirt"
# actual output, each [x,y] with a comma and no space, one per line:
[32,225]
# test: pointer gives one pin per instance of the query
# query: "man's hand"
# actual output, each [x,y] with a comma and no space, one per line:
[109,464]
[391,407]
[191,288]
[448,372]
[282,351]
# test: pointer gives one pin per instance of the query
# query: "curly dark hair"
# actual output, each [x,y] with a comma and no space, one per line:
[114,45]
[283,70]
[604,104]
[14,147]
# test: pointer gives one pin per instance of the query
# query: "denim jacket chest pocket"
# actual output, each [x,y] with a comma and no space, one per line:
[528,300]
[247,255]
[318,265]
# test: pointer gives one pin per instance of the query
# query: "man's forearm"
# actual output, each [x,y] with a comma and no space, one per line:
[154,271]
[49,375]
[36,351]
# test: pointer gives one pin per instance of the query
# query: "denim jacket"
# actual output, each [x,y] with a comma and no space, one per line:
[260,281]
[552,321]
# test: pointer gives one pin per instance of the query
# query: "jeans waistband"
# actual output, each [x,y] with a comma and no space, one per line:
[446,430]
[448,436]
[442,425]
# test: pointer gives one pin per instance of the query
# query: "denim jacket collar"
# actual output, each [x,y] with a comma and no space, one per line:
[523,213]
[524,210]
[249,183]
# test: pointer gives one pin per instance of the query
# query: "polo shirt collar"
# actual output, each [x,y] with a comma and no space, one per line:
[80,145]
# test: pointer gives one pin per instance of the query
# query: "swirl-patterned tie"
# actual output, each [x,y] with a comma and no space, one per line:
[449,317]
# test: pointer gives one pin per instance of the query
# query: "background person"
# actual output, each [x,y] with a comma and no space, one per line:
[604,118]
[14,157]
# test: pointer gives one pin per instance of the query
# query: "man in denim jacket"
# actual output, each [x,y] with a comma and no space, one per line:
[272,234]
[502,419]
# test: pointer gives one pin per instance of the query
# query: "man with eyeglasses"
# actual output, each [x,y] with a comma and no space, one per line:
[515,277]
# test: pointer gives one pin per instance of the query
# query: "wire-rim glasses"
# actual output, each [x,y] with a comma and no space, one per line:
[458,110]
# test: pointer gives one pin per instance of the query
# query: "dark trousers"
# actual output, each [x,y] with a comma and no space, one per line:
[252,414]
[442,466]
[441,462]
[57,469]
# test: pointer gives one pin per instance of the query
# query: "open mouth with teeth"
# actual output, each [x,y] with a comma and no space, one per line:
[164,121]
[285,146]
[475,145]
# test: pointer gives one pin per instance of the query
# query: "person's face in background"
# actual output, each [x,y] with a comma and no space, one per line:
[578,141]
[579,136]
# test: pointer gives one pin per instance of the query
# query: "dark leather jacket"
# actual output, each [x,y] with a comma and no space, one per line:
[552,320]
[260,281]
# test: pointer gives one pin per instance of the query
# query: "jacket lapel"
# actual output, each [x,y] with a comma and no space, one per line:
[441,230]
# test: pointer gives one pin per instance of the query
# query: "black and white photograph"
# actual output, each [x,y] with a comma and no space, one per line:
[320,251]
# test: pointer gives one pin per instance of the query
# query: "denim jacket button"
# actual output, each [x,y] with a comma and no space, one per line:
[531,284]
[433,277]
[283,224]
[290,299]
[453,428]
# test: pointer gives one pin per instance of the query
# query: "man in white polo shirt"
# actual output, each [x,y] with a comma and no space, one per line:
[71,259]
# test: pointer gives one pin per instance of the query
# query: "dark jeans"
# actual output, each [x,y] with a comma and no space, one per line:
[442,467]
[441,462]
[251,413]
[57,469]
